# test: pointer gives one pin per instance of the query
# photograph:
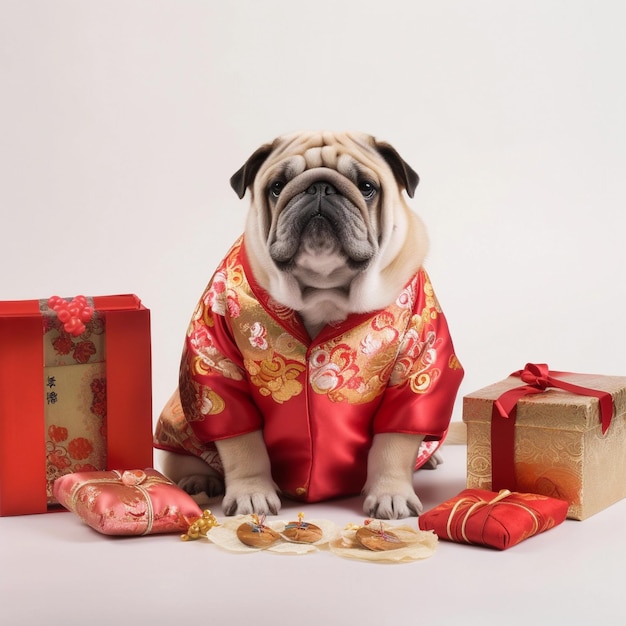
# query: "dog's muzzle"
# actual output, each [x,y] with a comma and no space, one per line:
[321,220]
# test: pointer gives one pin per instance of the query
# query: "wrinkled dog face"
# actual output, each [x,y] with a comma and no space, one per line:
[322,224]
[329,232]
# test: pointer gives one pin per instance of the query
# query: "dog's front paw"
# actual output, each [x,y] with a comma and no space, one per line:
[211,484]
[242,499]
[391,506]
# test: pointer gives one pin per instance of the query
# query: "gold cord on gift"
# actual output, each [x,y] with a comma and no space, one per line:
[200,526]
[504,493]
[136,479]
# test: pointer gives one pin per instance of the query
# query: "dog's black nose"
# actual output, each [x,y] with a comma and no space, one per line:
[321,188]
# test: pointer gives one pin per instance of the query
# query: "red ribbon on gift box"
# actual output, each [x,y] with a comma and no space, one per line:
[538,378]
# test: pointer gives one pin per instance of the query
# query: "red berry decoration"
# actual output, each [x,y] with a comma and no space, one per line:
[73,315]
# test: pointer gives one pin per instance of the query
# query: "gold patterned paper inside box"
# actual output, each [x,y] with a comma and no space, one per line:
[74,379]
[560,450]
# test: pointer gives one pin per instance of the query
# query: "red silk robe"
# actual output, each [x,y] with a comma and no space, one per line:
[249,364]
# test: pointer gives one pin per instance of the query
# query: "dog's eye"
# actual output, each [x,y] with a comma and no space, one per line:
[276,187]
[367,189]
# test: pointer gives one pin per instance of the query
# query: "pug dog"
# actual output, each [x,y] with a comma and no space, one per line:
[318,363]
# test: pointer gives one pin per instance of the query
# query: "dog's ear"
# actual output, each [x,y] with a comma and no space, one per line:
[403,172]
[242,178]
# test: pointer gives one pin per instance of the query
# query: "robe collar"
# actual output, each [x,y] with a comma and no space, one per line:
[290,319]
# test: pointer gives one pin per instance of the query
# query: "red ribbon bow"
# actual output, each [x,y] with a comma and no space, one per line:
[538,378]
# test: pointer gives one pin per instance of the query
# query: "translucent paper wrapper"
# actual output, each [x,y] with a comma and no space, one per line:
[417,544]
[225,536]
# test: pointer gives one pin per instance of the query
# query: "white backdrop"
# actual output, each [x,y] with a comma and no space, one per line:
[121,122]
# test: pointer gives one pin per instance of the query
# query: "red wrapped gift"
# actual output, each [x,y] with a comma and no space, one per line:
[133,502]
[75,393]
[497,520]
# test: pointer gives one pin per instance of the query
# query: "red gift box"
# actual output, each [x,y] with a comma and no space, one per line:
[114,345]
[497,520]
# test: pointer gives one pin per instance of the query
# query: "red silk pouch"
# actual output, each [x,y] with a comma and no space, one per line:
[497,520]
[133,502]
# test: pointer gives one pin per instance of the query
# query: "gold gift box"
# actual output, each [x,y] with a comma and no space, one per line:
[560,450]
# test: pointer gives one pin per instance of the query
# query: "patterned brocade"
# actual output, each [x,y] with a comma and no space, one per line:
[249,364]
[76,398]
[131,502]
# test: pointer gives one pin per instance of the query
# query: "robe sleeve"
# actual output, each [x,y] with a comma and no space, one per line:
[421,392]
[214,389]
